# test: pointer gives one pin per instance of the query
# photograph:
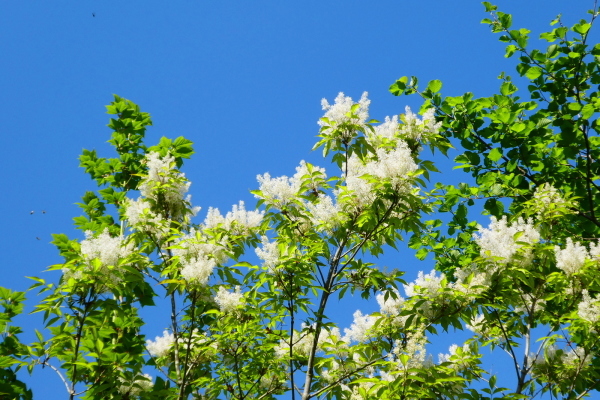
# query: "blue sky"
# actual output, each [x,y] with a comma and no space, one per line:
[241,79]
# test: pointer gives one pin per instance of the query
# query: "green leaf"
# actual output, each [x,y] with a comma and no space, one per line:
[534,72]
[489,7]
[582,28]
[434,85]
[587,111]
[495,154]
[399,86]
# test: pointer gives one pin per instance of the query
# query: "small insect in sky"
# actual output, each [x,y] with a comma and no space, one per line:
[93,14]
[31,212]
[38,238]
[43,211]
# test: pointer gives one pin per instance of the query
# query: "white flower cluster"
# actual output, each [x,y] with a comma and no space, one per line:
[572,258]
[161,345]
[427,285]
[337,114]
[325,214]
[414,347]
[269,253]
[107,249]
[477,324]
[498,242]
[547,198]
[446,357]
[302,342]
[104,247]
[229,301]
[238,220]
[197,243]
[198,256]
[391,166]
[360,189]
[390,306]
[140,215]
[140,384]
[415,128]
[198,269]
[387,130]
[589,308]
[472,280]
[333,339]
[164,178]
[360,330]
[574,356]
[394,165]
[577,356]
[281,191]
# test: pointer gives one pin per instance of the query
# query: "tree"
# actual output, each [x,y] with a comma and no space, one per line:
[244,329]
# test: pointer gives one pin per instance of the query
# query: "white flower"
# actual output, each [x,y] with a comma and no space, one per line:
[589,308]
[139,215]
[277,191]
[164,178]
[414,347]
[477,324]
[197,270]
[498,240]
[572,258]
[548,356]
[594,251]
[427,285]
[394,165]
[269,253]
[414,128]
[360,329]
[140,384]
[332,339]
[392,306]
[104,247]
[446,357]
[336,114]
[480,280]
[229,301]
[238,220]
[324,214]
[330,375]
[576,356]
[161,345]
[386,130]
[241,220]
[197,245]
[108,250]
[547,198]
[306,177]
[282,191]
[359,189]
[302,342]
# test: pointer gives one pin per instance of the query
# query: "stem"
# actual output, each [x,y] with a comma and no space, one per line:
[320,314]
[176,336]
[291,305]
[187,350]
[62,378]
[78,343]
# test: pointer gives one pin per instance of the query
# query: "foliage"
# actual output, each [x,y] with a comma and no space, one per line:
[243,329]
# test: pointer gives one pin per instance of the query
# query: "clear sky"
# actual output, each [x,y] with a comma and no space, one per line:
[241,79]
